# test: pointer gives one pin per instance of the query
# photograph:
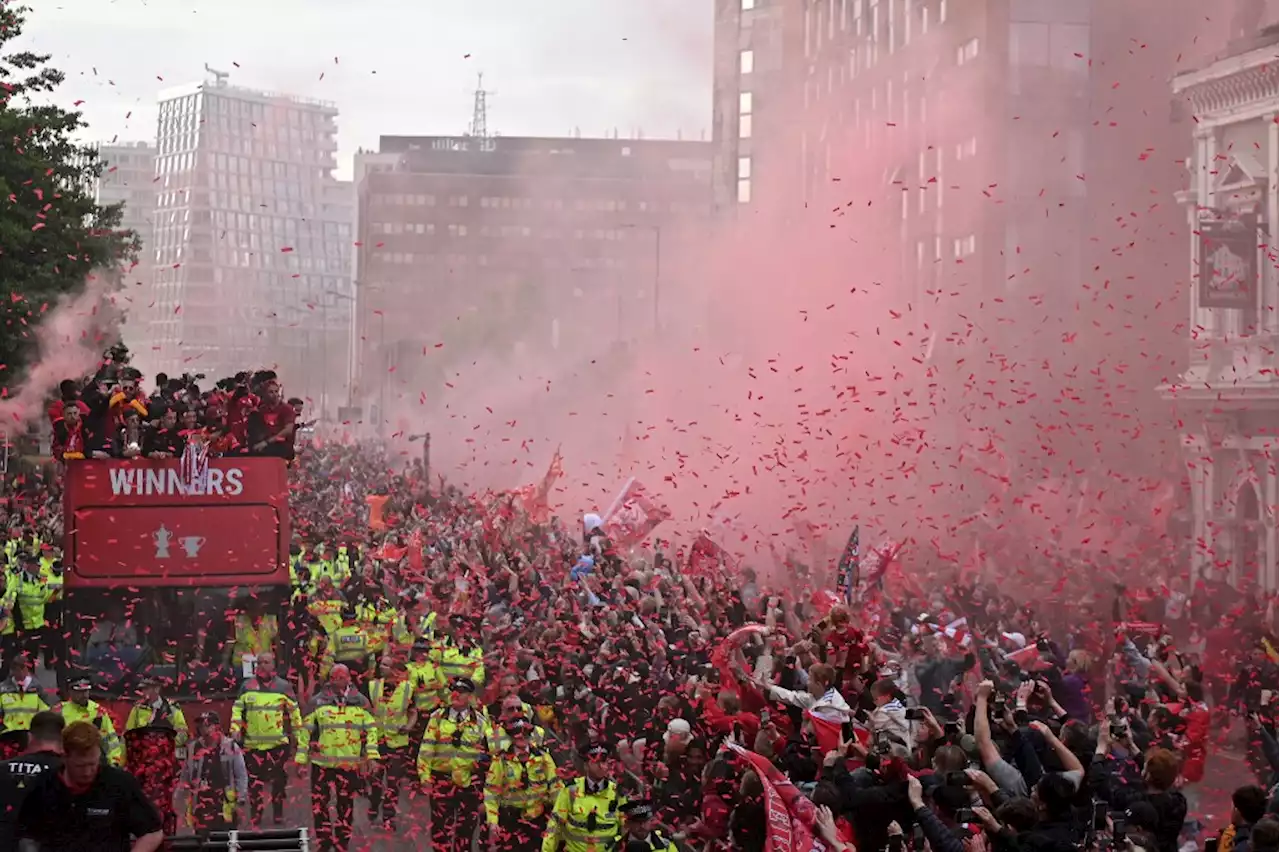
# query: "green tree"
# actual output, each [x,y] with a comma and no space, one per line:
[53,235]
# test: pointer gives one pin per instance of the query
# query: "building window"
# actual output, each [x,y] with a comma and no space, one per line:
[744,103]
[964,246]
[1029,44]
[942,11]
[744,127]
[967,52]
[744,168]
[746,61]
[748,5]
[744,191]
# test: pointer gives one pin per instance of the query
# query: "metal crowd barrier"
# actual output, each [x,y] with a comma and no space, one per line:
[276,840]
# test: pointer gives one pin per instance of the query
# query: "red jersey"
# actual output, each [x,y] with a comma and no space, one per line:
[277,417]
[238,410]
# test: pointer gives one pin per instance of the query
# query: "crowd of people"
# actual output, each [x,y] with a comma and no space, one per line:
[109,416]
[467,672]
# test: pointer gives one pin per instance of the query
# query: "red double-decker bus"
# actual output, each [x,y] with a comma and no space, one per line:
[157,569]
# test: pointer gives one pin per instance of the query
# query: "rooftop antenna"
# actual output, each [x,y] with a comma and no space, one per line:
[480,111]
[219,77]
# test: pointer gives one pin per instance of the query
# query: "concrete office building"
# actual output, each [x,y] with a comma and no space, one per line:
[493,245]
[128,178]
[253,236]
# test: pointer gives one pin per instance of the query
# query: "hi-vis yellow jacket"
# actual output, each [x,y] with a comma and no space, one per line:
[342,729]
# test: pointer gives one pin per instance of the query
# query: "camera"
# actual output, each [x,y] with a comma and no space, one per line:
[915,714]
[965,815]
[1099,816]
[955,779]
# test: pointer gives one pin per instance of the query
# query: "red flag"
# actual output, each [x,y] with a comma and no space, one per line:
[632,515]
[826,731]
[706,557]
[537,501]
[788,814]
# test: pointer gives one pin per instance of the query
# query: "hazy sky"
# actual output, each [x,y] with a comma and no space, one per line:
[403,66]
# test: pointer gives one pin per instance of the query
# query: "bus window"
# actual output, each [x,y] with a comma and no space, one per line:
[184,637]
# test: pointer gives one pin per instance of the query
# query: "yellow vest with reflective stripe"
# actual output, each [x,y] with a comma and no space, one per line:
[391,711]
[327,613]
[452,748]
[261,713]
[342,565]
[377,623]
[349,644]
[584,822]
[92,712]
[527,783]
[428,687]
[452,663]
[33,594]
[19,708]
[254,640]
[344,734]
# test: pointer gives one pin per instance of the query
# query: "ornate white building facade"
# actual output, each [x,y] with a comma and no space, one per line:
[1227,398]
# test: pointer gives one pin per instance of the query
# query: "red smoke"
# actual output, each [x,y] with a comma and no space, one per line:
[803,379]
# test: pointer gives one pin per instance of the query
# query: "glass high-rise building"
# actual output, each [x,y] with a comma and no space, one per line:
[252,240]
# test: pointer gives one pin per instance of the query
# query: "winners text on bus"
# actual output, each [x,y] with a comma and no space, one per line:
[169,482]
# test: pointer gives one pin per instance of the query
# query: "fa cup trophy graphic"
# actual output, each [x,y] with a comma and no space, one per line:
[162,537]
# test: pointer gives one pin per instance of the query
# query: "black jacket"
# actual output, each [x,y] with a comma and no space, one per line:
[1106,777]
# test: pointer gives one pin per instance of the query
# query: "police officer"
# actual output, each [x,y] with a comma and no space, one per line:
[586,813]
[641,831]
[34,593]
[81,708]
[455,652]
[426,682]
[22,696]
[349,644]
[155,711]
[454,747]
[345,737]
[511,707]
[265,720]
[392,699]
[519,790]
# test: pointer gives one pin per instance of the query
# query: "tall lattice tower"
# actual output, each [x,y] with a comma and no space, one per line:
[480,110]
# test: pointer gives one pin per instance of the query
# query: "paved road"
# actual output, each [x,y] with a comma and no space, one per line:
[412,833]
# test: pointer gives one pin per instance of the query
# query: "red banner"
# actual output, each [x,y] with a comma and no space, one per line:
[632,515]
[141,522]
[788,814]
